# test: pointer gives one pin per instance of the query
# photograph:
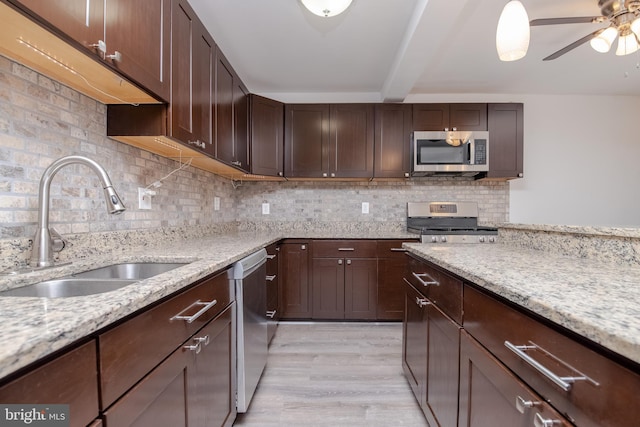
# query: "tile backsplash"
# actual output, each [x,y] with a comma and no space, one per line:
[42,120]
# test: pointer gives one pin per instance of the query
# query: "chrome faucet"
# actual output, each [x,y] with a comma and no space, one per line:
[47,240]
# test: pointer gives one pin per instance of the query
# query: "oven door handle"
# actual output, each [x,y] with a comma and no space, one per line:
[430,281]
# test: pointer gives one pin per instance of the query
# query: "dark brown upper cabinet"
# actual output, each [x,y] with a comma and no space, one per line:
[392,141]
[506,140]
[130,36]
[449,116]
[231,111]
[191,95]
[267,136]
[329,140]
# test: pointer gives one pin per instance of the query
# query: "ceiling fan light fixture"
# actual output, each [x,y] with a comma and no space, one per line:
[603,42]
[512,34]
[326,8]
[627,44]
[635,26]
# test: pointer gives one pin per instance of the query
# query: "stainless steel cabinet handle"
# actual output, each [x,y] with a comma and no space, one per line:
[346,249]
[271,314]
[422,302]
[202,340]
[339,262]
[191,319]
[271,278]
[522,405]
[348,262]
[538,421]
[419,276]
[398,250]
[564,383]
[271,256]
[197,347]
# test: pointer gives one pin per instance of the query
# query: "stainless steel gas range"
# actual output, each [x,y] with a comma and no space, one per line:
[448,222]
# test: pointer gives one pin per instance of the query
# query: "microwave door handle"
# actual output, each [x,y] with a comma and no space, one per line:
[472,152]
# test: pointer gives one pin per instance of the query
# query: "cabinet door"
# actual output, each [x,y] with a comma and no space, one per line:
[328,288]
[506,135]
[241,125]
[392,141]
[360,289]
[81,20]
[415,334]
[491,395]
[273,277]
[294,291]
[392,264]
[70,379]
[224,109]
[191,82]
[159,399]
[306,140]
[443,369]
[430,116]
[468,116]
[267,136]
[140,31]
[212,382]
[352,143]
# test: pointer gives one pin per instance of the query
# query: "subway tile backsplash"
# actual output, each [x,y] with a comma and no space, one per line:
[42,120]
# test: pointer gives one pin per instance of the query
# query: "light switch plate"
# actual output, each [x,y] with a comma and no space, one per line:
[365,207]
[265,209]
[216,203]
[144,198]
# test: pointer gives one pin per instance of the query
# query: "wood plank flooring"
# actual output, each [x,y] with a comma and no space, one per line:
[334,374]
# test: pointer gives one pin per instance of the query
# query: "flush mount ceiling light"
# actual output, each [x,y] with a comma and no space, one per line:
[326,8]
[512,35]
[623,17]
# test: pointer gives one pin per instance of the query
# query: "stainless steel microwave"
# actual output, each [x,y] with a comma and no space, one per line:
[450,152]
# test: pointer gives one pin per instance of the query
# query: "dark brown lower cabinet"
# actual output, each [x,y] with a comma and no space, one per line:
[273,278]
[392,264]
[70,379]
[490,395]
[192,387]
[415,333]
[295,296]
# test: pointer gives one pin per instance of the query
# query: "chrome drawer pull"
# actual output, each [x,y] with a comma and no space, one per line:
[271,278]
[346,249]
[422,302]
[564,383]
[538,421]
[191,319]
[522,405]
[271,256]
[197,347]
[398,250]
[419,276]
[271,314]
[204,340]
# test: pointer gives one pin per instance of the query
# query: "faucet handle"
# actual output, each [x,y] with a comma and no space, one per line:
[57,242]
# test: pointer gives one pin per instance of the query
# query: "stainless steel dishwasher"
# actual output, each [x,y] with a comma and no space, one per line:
[250,277]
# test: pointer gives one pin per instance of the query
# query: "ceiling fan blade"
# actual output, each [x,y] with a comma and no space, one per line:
[572,46]
[574,20]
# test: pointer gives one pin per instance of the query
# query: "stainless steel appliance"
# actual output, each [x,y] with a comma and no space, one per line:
[448,222]
[249,275]
[450,152]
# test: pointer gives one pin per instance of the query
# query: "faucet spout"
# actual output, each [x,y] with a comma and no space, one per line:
[47,241]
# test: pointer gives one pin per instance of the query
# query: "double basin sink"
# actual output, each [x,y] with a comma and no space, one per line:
[99,280]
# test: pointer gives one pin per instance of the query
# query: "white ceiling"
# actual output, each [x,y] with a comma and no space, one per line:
[385,50]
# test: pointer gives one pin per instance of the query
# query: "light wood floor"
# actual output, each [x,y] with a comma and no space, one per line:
[334,374]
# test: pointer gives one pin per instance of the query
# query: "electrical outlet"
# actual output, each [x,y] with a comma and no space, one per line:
[216,203]
[144,198]
[365,207]
[265,209]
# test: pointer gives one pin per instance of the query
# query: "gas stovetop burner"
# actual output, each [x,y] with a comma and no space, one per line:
[448,222]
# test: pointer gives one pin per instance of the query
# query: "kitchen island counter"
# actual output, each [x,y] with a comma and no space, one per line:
[595,299]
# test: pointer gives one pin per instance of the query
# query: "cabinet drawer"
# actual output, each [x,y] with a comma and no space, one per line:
[133,348]
[392,248]
[605,399]
[70,379]
[344,248]
[442,289]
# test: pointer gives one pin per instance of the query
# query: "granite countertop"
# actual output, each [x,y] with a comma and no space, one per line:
[595,299]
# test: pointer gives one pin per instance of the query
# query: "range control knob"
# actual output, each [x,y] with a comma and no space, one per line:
[481,239]
[443,239]
[434,239]
[492,239]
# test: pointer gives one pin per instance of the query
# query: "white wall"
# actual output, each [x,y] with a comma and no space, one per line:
[581,159]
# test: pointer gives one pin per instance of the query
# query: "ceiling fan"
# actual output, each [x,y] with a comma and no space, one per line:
[624,22]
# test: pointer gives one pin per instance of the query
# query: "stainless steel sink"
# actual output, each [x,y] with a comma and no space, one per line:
[131,270]
[67,287]
[99,280]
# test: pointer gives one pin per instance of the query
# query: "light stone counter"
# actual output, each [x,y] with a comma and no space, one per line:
[598,300]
